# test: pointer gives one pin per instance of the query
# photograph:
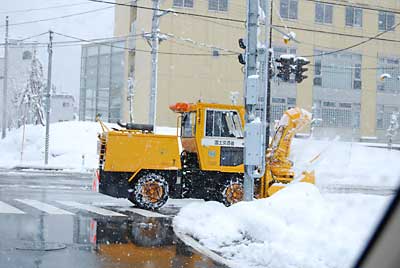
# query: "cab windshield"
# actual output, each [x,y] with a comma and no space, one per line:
[222,123]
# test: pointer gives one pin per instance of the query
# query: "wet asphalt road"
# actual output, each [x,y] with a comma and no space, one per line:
[53,219]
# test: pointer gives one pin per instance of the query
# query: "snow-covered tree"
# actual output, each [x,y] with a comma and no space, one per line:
[31,102]
[393,128]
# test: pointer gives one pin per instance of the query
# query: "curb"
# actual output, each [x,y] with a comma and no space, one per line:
[188,240]
[50,169]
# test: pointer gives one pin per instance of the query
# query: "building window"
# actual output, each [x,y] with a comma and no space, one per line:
[357,76]
[291,102]
[390,66]
[218,5]
[279,106]
[288,9]
[278,100]
[323,13]
[328,104]
[183,3]
[386,21]
[384,115]
[337,71]
[353,16]
[317,72]
[337,115]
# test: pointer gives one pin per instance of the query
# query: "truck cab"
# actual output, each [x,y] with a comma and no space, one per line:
[212,135]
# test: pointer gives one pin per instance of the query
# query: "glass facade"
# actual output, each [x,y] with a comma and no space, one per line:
[102,81]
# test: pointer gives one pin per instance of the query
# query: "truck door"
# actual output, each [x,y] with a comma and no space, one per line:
[222,141]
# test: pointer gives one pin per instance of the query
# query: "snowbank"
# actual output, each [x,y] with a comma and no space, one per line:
[346,162]
[73,145]
[297,227]
[69,141]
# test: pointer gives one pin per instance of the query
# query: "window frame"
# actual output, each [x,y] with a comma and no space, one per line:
[386,14]
[219,5]
[188,123]
[289,11]
[354,12]
[183,4]
[236,130]
[390,65]
[324,12]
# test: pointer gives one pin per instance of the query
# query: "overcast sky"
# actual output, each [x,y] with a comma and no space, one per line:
[66,60]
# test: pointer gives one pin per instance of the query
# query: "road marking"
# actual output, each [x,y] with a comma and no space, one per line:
[145,213]
[6,208]
[101,211]
[49,209]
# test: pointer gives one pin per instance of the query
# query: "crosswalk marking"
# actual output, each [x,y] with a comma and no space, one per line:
[45,207]
[145,213]
[5,208]
[101,211]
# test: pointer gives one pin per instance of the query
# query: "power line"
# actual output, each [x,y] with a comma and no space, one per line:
[199,44]
[166,10]
[42,8]
[55,18]
[32,36]
[142,50]
[340,34]
[76,42]
[354,45]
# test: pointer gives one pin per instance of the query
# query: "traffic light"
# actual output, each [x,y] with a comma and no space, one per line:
[242,56]
[285,67]
[299,69]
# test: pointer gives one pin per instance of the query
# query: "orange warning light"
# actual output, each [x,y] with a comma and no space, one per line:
[180,107]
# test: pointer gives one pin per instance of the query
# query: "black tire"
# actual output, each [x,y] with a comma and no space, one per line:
[150,191]
[231,192]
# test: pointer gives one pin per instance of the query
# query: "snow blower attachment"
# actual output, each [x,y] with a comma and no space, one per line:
[279,167]
[205,159]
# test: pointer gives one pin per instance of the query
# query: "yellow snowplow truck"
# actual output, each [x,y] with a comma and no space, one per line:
[204,160]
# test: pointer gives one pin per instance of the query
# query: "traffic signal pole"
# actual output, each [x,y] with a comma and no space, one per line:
[250,84]
[255,97]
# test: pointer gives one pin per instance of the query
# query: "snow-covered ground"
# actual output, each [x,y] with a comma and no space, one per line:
[297,227]
[346,162]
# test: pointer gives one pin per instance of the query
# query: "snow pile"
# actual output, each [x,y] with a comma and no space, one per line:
[346,162]
[297,227]
[69,141]
[73,145]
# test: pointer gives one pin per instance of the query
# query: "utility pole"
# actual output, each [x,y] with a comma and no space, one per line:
[5,78]
[154,62]
[251,81]
[50,51]
[256,82]
[268,112]
[131,94]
